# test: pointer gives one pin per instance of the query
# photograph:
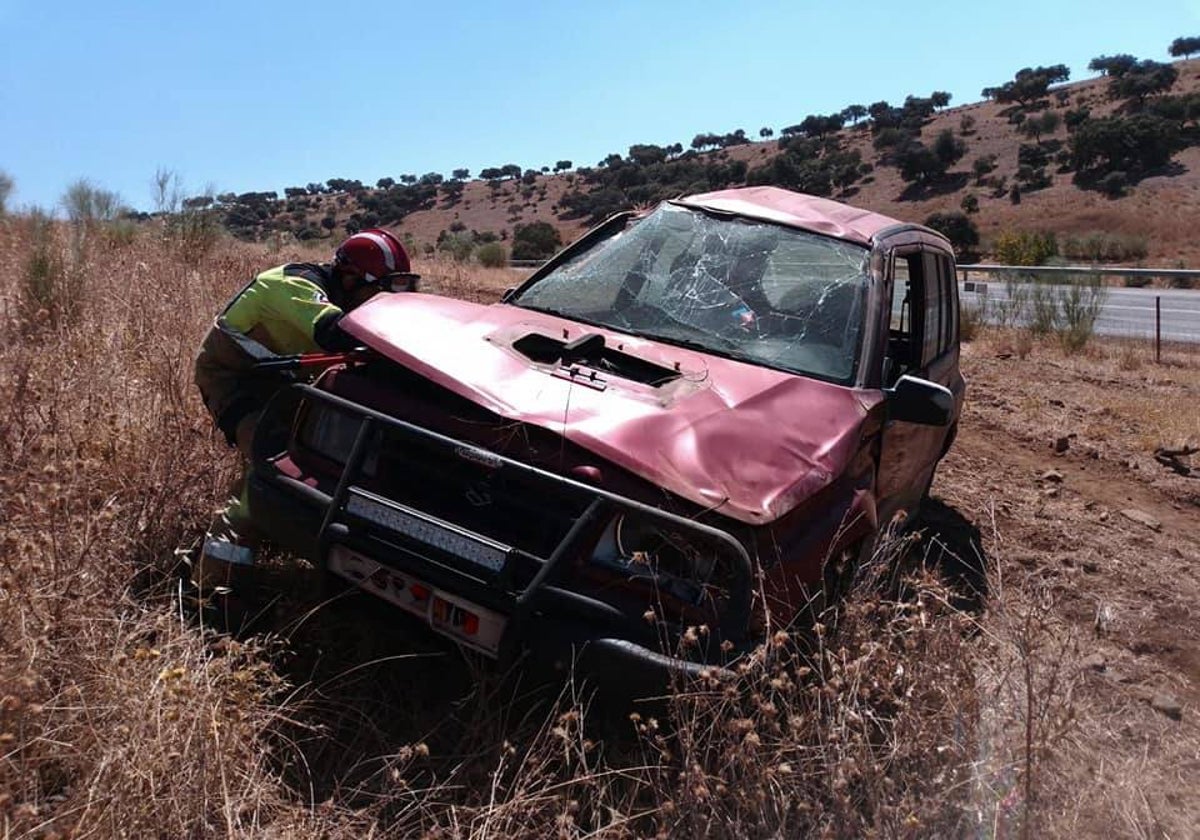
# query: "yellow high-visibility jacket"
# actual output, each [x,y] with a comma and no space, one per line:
[283,311]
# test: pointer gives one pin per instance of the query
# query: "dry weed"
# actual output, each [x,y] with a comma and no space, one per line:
[121,718]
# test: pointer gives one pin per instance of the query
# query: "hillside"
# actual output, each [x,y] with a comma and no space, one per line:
[1154,211]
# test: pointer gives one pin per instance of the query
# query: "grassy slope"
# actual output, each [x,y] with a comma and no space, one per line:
[1161,209]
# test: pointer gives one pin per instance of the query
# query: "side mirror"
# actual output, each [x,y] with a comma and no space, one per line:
[914,400]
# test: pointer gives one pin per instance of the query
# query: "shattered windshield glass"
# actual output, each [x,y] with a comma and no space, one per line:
[735,287]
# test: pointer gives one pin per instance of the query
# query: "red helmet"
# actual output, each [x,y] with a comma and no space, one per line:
[377,253]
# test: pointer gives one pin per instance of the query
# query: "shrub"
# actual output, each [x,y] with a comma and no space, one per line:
[972,319]
[43,266]
[1068,308]
[1113,184]
[1043,315]
[536,241]
[457,245]
[49,293]
[1101,246]
[1024,247]
[957,227]
[6,188]
[1009,311]
[492,255]
[1079,305]
[982,167]
[85,203]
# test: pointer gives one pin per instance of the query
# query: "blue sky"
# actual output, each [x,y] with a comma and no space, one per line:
[263,95]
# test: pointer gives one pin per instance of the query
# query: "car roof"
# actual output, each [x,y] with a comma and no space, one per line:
[808,212]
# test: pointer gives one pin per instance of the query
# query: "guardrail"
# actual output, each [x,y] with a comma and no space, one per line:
[1129,311]
[1079,270]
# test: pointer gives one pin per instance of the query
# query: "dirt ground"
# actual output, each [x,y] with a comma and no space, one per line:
[1055,465]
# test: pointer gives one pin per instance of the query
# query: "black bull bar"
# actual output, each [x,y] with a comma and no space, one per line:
[620,639]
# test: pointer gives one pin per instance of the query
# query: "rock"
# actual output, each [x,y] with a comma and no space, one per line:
[1090,566]
[1142,518]
[1095,662]
[1167,705]
[1050,492]
[1061,445]
[1053,476]
[1103,516]
[1058,403]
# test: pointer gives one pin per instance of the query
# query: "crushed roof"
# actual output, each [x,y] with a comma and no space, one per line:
[809,212]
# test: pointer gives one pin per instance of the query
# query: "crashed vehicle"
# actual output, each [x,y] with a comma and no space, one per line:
[680,426]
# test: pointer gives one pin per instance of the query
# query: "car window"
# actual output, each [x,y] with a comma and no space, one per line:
[941,306]
[754,291]
[924,313]
[931,329]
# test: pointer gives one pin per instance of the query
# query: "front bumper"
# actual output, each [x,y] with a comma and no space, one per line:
[543,614]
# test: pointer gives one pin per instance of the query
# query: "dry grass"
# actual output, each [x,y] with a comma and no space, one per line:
[119,717]
[1113,393]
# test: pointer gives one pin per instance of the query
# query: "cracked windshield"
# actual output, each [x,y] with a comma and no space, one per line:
[758,292]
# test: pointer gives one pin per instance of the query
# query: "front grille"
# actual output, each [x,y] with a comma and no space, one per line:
[505,507]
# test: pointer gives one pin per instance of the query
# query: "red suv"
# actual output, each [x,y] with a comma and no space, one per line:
[675,423]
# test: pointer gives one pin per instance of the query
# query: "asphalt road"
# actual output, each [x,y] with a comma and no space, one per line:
[1126,312]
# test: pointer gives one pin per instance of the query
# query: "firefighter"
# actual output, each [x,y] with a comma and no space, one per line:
[286,310]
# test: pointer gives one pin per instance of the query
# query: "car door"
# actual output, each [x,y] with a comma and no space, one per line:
[922,342]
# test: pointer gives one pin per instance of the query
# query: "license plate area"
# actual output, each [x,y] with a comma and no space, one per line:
[457,618]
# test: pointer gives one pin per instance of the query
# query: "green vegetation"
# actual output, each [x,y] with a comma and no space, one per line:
[537,241]
[822,154]
[52,272]
[1141,80]
[1184,47]
[1104,247]
[1132,146]
[1078,304]
[492,255]
[1024,247]
[87,204]
[6,188]
[1028,85]
[958,228]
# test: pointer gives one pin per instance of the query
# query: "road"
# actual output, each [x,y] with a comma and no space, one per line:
[1126,312]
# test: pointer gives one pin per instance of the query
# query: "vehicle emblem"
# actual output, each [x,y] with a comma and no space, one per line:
[479,456]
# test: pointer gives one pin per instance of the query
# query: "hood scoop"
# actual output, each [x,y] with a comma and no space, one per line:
[589,356]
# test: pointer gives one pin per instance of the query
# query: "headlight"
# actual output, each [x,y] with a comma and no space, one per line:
[643,548]
[331,432]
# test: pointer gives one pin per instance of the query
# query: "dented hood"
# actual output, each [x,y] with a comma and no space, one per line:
[748,441]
